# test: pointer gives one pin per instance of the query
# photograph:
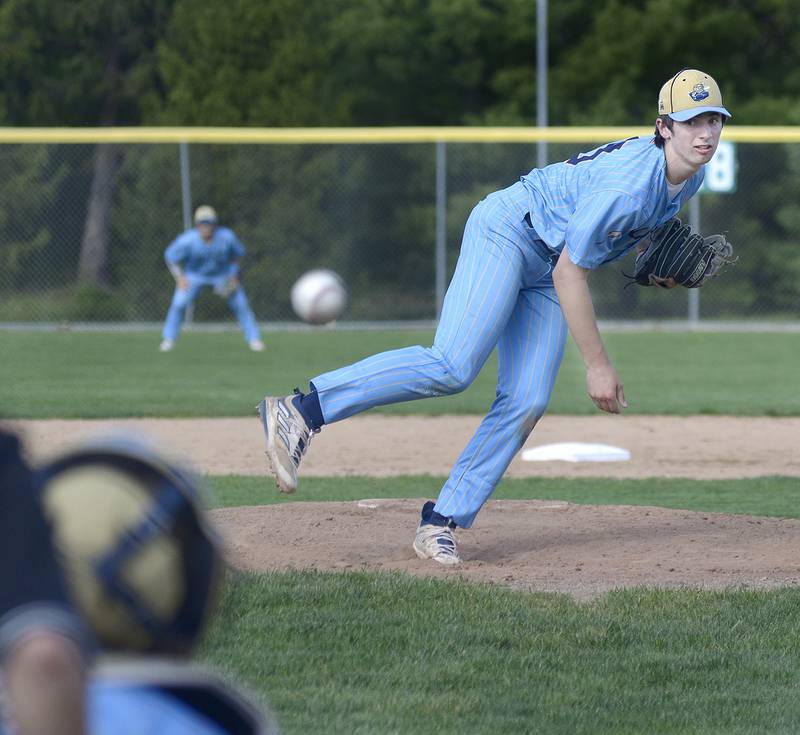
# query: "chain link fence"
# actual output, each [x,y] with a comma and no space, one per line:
[83,227]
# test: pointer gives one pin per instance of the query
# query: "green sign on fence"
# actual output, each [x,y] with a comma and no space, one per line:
[721,170]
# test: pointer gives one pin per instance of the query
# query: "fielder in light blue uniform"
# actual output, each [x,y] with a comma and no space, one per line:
[519,284]
[207,255]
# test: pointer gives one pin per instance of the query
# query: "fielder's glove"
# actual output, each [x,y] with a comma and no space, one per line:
[227,287]
[678,253]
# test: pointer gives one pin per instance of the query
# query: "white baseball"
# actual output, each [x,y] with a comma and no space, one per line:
[319,296]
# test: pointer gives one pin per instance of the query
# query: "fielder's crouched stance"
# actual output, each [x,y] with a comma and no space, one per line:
[207,255]
[520,283]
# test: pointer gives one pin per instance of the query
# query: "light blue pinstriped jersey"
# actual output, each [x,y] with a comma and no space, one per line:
[199,258]
[601,203]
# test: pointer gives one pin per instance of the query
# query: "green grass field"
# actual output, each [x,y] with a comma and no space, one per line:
[371,653]
[121,374]
[765,496]
[385,653]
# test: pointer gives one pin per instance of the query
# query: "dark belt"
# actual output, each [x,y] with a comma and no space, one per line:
[539,245]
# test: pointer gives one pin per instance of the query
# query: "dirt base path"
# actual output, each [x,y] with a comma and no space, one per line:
[534,545]
[699,447]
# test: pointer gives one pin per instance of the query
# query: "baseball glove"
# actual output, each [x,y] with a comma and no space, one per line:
[227,287]
[678,253]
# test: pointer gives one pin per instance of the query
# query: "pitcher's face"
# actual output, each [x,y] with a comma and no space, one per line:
[695,141]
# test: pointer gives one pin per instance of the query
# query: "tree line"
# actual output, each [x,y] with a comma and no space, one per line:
[361,63]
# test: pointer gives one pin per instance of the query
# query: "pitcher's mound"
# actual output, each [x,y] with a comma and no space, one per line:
[537,545]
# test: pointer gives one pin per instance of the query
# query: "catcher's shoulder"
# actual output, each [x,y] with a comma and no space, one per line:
[182,686]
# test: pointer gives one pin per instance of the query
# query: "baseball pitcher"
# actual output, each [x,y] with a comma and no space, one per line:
[519,285]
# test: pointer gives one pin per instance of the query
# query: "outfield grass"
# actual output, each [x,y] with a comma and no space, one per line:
[122,374]
[390,654]
[762,496]
[367,653]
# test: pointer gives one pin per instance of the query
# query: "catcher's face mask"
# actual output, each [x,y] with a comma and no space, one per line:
[141,562]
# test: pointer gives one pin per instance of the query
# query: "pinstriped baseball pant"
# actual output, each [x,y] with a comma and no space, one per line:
[237,302]
[502,296]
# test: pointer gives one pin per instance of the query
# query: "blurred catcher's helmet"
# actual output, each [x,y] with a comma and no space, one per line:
[142,563]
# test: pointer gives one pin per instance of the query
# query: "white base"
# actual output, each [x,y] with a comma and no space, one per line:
[576,452]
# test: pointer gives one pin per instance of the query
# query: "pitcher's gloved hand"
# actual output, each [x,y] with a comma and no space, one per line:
[678,256]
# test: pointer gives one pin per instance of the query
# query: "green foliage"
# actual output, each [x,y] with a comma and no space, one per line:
[610,74]
[413,62]
[384,62]
[318,63]
[387,653]
[87,63]
[27,241]
[94,304]
[247,63]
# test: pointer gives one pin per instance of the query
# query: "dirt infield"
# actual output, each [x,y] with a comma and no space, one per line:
[534,545]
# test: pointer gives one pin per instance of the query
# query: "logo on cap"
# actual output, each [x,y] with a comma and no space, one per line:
[699,92]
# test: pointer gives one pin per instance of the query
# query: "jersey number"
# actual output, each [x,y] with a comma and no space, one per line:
[610,148]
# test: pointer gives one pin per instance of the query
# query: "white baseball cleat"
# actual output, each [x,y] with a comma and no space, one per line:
[287,436]
[437,543]
[166,345]
[256,345]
